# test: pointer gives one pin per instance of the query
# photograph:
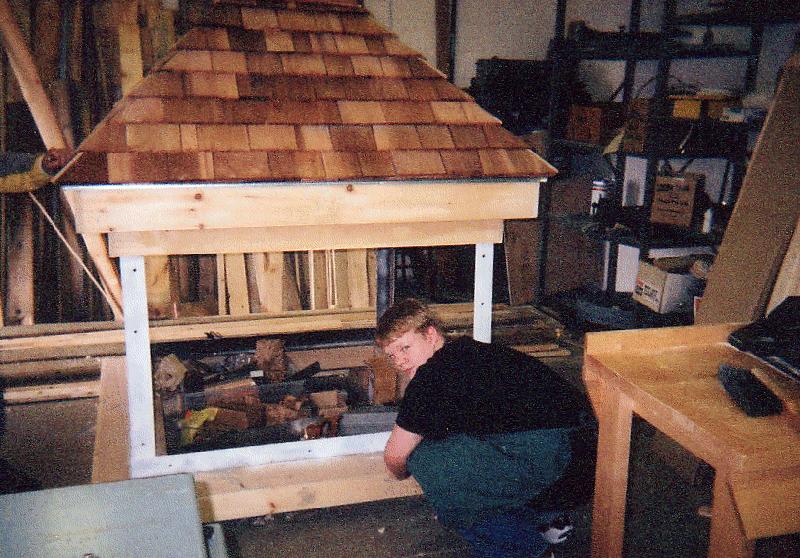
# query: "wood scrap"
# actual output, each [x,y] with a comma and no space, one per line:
[384,376]
[50,369]
[51,392]
[271,359]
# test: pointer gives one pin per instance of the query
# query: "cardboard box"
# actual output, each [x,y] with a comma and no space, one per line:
[664,291]
[677,200]
[696,107]
[594,124]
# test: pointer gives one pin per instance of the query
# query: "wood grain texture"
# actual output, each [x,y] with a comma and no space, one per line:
[111,456]
[764,218]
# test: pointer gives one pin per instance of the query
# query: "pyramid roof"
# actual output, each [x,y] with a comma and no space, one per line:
[269,91]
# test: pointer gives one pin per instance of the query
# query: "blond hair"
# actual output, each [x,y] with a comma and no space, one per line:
[406,315]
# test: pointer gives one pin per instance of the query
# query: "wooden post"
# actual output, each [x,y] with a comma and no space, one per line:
[19,55]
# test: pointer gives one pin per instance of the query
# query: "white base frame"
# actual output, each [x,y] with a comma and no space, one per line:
[144,461]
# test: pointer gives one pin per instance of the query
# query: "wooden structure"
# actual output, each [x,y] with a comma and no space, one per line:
[282,126]
[668,377]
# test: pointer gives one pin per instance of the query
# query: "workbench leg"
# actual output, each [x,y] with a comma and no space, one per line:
[615,417]
[727,538]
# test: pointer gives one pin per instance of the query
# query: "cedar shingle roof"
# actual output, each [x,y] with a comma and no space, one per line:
[296,90]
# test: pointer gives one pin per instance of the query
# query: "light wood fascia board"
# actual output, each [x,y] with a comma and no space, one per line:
[308,237]
[158,207]
[282,487]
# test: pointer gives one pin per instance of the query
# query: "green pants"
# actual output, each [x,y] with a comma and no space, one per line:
[467,479]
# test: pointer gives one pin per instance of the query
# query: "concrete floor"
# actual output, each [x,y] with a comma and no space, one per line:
[53,443]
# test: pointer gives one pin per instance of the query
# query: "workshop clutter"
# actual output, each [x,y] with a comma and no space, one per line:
[680,201]
[669,285]
[597,123]
[221,398]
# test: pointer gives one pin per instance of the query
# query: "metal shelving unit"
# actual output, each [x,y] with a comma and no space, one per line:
[632,47]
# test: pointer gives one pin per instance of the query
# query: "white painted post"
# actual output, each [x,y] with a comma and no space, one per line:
[482,313]
[137,352]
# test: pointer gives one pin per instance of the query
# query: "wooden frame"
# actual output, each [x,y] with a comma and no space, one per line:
[163,219]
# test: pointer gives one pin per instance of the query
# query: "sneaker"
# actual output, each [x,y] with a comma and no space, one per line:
[558,530]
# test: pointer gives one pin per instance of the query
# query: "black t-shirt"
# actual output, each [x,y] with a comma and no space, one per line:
[483,388]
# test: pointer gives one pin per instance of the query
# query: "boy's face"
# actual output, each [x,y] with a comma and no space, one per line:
[412,349]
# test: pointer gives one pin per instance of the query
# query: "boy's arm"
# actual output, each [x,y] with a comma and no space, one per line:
[400,445]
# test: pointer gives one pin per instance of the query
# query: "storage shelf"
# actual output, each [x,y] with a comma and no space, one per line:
[733,19]
[624,51]
[661,155]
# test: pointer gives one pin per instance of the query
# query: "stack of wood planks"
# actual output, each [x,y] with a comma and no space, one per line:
[85,55]
[45,360]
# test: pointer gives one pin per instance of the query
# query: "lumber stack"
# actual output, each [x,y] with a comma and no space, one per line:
[85,56]
[39,356]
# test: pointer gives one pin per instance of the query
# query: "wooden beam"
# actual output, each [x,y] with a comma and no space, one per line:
[299,485]
[159,287]
[236,285]
[444,49]
[358,278]
[20,303]
[51,369]
[111,456]
[51,392]
[222,286]
[19,55]
[195,207]
[341,278]
[291,289]
[130,46]
[269,269]
[109,277]
[289,238]
[318,278]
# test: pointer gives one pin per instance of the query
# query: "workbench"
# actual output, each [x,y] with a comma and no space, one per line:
[668,378]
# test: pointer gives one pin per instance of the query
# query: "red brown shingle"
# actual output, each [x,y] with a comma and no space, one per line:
[297,90]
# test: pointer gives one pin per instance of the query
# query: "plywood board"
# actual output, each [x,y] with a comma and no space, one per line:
[522,243]
[764,217]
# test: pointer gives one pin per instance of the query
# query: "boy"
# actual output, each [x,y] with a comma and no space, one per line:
[482,428]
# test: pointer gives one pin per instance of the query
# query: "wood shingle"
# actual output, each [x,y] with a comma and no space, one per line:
[273,90]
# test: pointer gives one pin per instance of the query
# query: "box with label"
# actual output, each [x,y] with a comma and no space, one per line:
[677,200]
[664,291]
